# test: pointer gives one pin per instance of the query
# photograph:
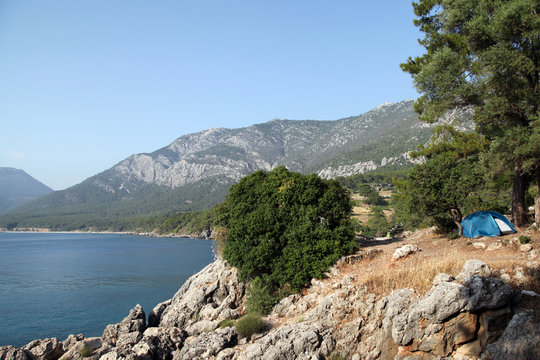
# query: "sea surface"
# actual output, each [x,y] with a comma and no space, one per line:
[56,284]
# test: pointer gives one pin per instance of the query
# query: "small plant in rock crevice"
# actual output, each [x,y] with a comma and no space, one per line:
[250,324]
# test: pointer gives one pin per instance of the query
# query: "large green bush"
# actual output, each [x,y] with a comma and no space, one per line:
[285,227]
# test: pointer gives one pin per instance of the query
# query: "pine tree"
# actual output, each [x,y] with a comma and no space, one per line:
[485,54]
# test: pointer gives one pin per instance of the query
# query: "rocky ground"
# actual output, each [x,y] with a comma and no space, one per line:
[420,296]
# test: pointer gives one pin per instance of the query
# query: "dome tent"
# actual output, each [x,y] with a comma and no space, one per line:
[486,223]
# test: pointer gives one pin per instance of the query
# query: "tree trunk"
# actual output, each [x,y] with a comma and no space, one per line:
[519,210]
[537,199]
[457,217]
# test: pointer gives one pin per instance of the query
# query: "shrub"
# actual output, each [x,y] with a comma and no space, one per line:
[226,323]
[250,324]
[85,351]
[259,297]
[452,236]
[524,239]
[285,225]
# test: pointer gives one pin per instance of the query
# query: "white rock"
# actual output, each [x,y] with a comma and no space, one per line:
[479,245]
[404,251]
[526,247]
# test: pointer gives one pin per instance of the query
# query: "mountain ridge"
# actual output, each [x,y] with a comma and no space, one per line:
[195,171]
[17,188]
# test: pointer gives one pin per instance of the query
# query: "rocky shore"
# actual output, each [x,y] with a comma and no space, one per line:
[474,315]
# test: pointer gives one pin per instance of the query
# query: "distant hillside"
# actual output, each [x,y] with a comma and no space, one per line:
[17,188]
[196,170]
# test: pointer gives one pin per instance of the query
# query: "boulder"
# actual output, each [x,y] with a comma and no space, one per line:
[46,349]
[211,296]
[404,251]
[492,324]
[474,267]
[207,344]
[442,277]
[157,311]
[87,349]
[128,331]
[12,353]
[519,340]
[301,341]
[489,293]
[159,343]
[479,245]
[72,340]
[526,247]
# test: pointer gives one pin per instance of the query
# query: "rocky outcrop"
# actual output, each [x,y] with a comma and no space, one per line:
[298,341]
[470,316]
[205,300]
[520,340]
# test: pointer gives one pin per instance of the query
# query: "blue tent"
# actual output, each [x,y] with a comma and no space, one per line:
[486,223]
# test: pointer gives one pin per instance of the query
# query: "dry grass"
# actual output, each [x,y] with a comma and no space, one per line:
[417,273]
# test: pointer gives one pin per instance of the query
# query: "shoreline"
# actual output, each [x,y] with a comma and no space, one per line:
[147,234]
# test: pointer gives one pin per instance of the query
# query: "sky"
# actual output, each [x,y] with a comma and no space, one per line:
[85,84]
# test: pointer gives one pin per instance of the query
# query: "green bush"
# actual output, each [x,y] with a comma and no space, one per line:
[524,239]
[259,297]
[85,351]
[227,323]
[287,226]
[250,324]
[452,236]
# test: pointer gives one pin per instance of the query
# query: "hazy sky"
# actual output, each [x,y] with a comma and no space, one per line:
[85,84]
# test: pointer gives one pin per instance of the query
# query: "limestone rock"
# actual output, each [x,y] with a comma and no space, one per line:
[128,331]
[87,349]
[159,343]
[72,340]
[212,295]
[489,293]
[46,349]
[12,353]
[157,311]
[519,340]
[404,251]
[474,267]
[526,247]
[479,245]
[442,277]
[492,324]
[495,246]
[207,344]
[302,341]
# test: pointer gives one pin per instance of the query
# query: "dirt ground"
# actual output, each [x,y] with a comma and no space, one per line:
[503,254]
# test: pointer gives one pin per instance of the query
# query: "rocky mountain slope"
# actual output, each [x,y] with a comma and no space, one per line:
[484,312]
[17,188]
[196,170]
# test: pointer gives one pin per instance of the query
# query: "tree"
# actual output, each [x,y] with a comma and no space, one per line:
[284,227]
[485,54]
[450,183]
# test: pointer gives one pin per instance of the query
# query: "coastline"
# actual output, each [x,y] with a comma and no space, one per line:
[202,236]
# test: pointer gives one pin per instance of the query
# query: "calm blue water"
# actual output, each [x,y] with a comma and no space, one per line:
[53,285]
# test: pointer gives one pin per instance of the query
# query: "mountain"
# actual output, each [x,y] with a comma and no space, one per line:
[195,171]
[17,188]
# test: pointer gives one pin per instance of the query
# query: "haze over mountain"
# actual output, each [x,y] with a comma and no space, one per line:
[17,188]
[196,170]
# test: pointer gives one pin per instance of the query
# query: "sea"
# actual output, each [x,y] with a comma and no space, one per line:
[56,284]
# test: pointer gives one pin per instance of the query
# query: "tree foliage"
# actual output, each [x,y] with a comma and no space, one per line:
[485,54]
[450,184]
[285,227]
